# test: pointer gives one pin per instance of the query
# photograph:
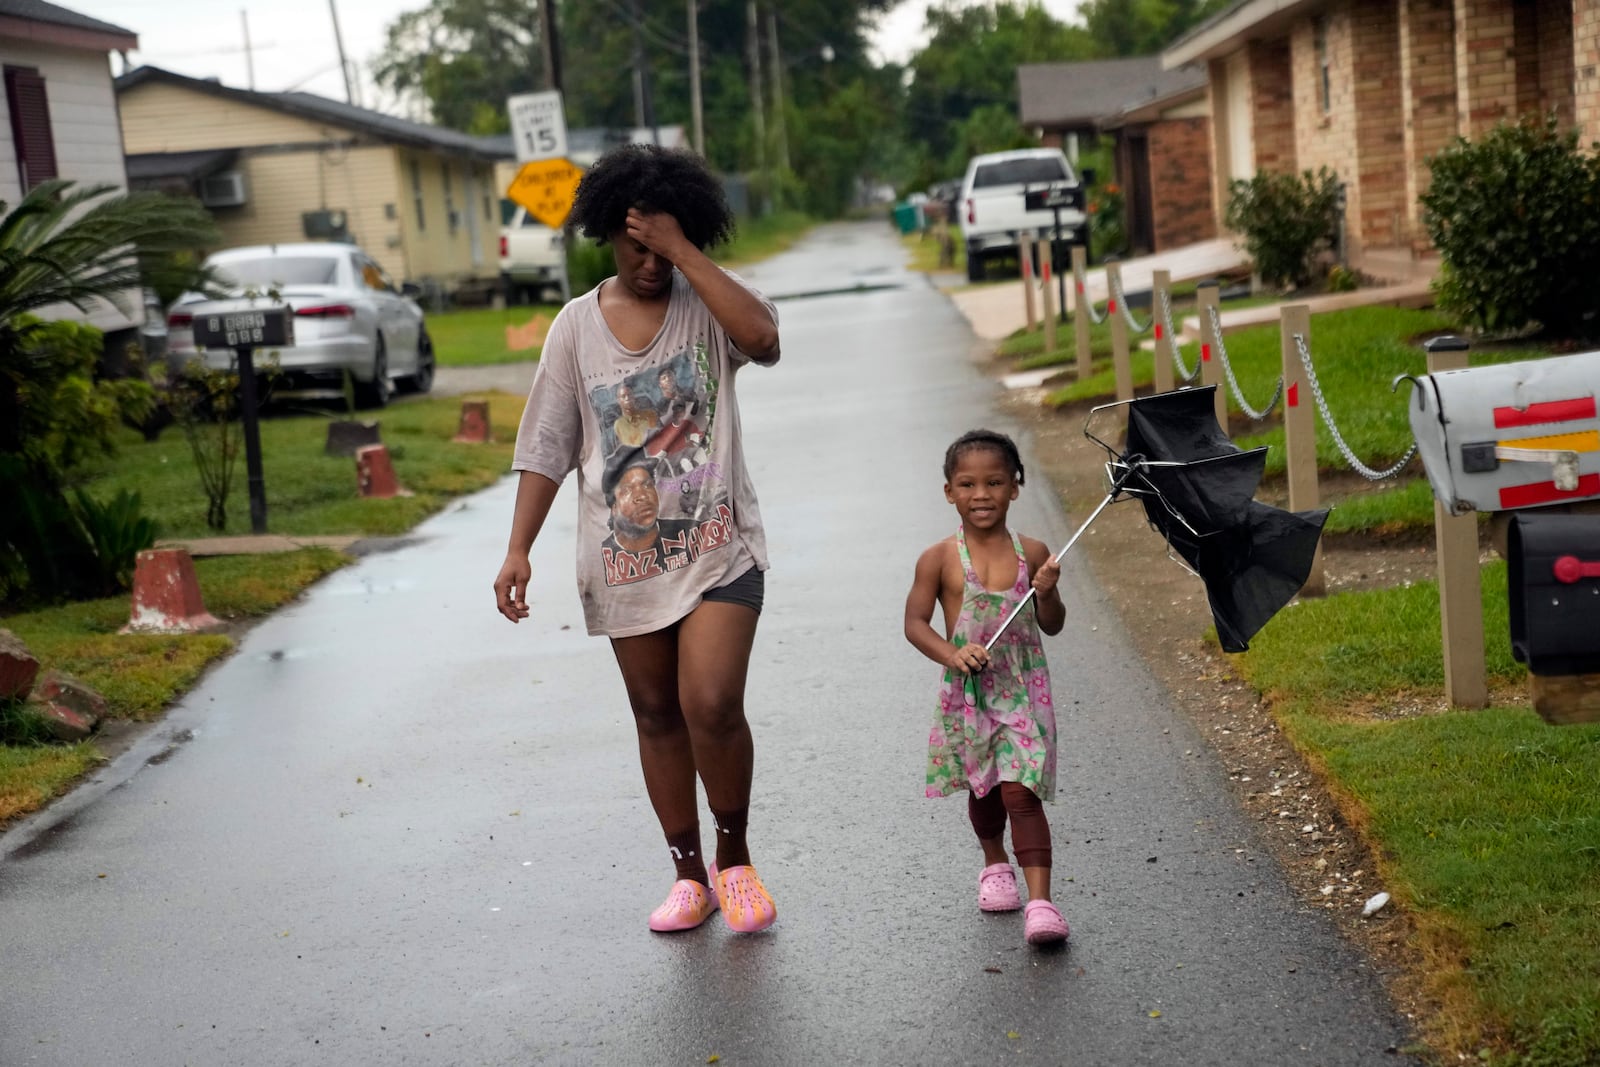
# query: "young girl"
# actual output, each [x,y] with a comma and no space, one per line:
[669,568]
[995,734]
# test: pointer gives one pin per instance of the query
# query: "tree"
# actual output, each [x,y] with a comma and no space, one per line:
[462,58]
[66,245]
[1142,27]
[970,65]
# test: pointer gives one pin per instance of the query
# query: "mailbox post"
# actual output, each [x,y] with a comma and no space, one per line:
[1054,200]
[243,327]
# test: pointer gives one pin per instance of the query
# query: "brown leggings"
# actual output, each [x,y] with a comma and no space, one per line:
[1030,830]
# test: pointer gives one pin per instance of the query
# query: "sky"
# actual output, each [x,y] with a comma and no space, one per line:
[293,42]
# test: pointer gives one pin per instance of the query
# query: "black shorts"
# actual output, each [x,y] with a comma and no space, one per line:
[747,589]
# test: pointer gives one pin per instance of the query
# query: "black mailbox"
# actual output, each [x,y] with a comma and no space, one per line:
[1064,197]
[1554,585]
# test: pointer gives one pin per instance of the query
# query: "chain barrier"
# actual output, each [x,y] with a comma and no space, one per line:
[1327,417]
[1082,287]
[1233,383]
[1122,304]
[1184,373]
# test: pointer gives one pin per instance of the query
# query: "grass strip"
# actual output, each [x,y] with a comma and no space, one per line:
[477,337]
[756,239]
[1485,823]
[309,492]
[32,775]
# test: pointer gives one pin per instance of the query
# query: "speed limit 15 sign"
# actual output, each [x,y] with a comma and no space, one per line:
[538,126]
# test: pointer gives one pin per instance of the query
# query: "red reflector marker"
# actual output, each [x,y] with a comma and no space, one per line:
[1550,411]
[1158,331]
[1111,307]
[1205,353]
[1294,394]
[1534,493]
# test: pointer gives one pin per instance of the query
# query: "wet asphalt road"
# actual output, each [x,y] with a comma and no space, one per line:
[394,829]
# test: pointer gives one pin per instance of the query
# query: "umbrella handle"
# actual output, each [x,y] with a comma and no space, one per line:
[1116,487]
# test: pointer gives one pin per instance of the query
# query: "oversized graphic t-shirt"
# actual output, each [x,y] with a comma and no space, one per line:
[666,508]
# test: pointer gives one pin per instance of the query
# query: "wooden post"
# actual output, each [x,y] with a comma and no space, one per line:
[1026,242]
[1119,333]
[1080,309]
[1460,581]
[1161,287]
[1210,357]
[1300,432]
[1048,301]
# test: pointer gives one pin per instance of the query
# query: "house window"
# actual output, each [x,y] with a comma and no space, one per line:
[416,194]
[1319,35]
[30,125]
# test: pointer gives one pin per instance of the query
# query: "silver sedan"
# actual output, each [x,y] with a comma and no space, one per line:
[348,316]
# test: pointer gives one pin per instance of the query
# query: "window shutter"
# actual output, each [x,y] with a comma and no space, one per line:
[30,125]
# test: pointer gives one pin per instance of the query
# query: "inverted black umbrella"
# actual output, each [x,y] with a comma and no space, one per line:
[1198,491]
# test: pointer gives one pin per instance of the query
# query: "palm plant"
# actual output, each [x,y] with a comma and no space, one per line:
[66,245]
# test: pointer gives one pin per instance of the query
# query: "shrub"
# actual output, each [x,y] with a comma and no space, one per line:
[1286,220]
[1514,218]
[588,264]
[116,532]
[1107,235]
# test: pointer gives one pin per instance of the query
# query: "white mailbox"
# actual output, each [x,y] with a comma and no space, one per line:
[1510,435]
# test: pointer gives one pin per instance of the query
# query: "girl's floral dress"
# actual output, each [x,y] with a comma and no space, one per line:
[999,725]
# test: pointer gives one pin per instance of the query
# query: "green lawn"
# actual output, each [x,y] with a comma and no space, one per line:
[309,492]
[1487,823]
[477,336]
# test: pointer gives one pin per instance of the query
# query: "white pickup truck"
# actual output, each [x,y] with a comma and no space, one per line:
[993,208]
[530,259]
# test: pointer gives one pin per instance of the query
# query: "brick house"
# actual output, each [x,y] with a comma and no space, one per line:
[1372,88]
[1159,123]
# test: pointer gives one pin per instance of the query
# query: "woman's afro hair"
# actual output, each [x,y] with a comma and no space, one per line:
[652,178]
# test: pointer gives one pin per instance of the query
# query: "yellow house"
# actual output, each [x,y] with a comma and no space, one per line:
[284,167]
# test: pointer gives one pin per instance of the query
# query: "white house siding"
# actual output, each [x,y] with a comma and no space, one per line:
[87,136]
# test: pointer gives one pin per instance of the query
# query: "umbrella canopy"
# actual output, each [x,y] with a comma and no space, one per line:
[1197,490]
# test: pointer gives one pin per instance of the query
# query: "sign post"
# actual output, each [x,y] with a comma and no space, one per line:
[244,329]
[548,179]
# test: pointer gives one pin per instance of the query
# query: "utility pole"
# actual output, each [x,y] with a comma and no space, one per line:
[249,56]
[344,64]
[550,44]
[643,108]
[754,48]
[696,111]
[779,127]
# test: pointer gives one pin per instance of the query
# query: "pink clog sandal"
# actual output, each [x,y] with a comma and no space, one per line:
[747,907]
[1042,923]
[688,905]
[997,888]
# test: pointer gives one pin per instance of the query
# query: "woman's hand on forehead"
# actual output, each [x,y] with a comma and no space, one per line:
[656,230]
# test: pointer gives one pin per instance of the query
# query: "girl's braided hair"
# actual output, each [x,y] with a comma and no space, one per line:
[652,178]
[974,440]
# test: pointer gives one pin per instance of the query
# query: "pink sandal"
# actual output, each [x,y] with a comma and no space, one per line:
[1042,923]
[997,888]
[747,907]
[688,905]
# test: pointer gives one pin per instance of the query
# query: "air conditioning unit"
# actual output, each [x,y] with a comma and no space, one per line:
[326,225]
[223,190]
